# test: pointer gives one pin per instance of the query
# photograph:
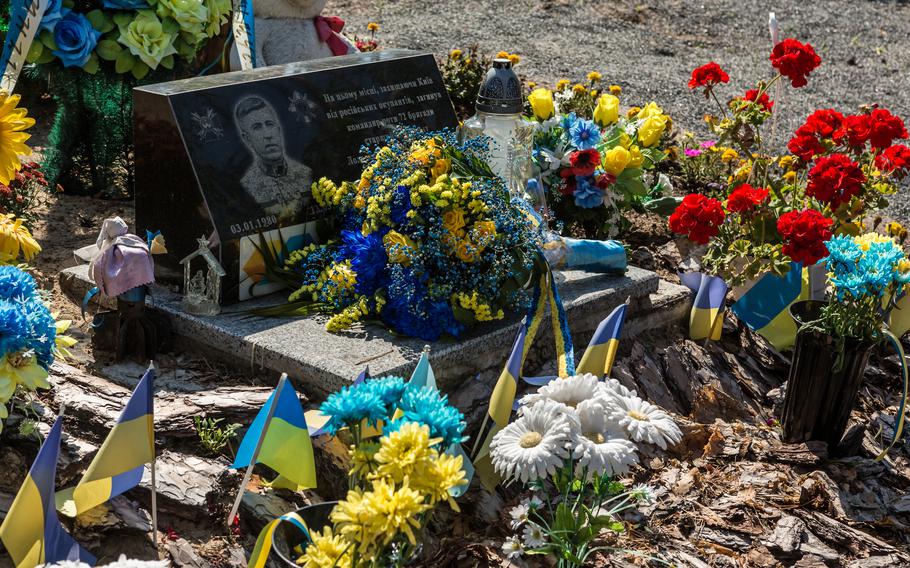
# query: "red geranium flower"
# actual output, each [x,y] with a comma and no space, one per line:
[698,217]
[822,123]
[835,179]
[805,233]
[764,100]
[794,60]
[805,147]
[856,130]
[584,162]
[746,198]
[884,127]
[707,76]
[604,181]
[893,159]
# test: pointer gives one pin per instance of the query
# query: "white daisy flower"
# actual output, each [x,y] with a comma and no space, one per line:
[646,422]
[602,447]
[512,547]
[618,388]
[519,514]
[533,446]
[533,536]
[568,391]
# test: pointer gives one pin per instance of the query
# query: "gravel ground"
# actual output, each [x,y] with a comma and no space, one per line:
[649,47]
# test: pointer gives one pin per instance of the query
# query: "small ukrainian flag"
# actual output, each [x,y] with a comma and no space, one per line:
[31,531]
[601,352]
[707,317]
[119,464]
[763,307]
[286,445]
[504,392]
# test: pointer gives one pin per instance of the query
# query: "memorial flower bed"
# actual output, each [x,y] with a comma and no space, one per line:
[757,211]
[429,243]
[595,161]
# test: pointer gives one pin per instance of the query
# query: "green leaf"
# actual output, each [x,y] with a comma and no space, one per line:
[123,18]
[564,519]
[47,38]
[168,62]
[91,66]
[46,57]
[108,24]
[35,52]
[140,69]
[96,18]
[611,136]
[170,26]
[664,205]
[124,61]
[108,50]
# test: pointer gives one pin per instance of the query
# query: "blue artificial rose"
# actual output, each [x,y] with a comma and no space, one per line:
[587,195]
[126,4]
[75,38]
[52,14]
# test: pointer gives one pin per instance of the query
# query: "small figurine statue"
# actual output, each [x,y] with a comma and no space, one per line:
[122,267]
[202,291]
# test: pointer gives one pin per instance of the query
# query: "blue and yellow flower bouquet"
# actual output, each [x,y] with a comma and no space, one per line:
[430,243]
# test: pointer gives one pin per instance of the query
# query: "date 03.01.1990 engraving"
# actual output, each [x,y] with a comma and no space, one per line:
[265,222]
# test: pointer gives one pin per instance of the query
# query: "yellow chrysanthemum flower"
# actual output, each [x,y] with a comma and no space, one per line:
[562,84]
[455,54]
[514,58]
[439,478]
[502,55]
[865,241]
[373,27]
[404,451]
[16,238]
[395,511]
[894,229]
[13,123]
[579,89]
[326,550]
[363,459]
[615,90]
[354,519]
[729,155]
[594,76]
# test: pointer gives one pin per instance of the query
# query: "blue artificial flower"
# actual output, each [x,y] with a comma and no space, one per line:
[52,14]
[352,405]
[389,390]
[568,121]
[431,408]
[585,134]
[843,254]
[125,4]
[368,259]
[14,328]
[42,331]
[15,283]
[587,194]
[75,38]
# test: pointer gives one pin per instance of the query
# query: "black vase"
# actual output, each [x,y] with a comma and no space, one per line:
[289,536]
[822,386]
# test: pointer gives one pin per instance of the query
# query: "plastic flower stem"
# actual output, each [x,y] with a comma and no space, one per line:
[722,109]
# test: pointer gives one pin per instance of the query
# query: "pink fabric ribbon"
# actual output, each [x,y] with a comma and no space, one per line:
[328,28]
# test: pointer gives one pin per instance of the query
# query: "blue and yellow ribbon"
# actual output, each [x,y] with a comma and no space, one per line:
[905,377]
[266,539]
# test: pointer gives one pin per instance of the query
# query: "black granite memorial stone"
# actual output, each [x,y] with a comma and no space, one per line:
[232,156]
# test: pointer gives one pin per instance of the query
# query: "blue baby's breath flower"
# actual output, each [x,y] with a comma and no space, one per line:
[584,134]
[352,405]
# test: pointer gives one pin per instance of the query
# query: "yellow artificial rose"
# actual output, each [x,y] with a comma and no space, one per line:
[650,131]
[542,103]
[616,160]
[625,141]
[650,109]
[453,221]
[399,247]
[607,110]
[483,233]
[636,158]
[441,167]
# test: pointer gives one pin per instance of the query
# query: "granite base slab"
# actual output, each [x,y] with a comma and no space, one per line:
[322,362]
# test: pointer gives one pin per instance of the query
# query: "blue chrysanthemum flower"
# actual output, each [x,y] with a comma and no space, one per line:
[843,254]
[389,390]
[584,134]
[368,259]
[14,328]
[587,195]
[430,407]
[42,331]
[351,406]
[14,283]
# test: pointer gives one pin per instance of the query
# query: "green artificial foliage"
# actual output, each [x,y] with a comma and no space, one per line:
[90,149]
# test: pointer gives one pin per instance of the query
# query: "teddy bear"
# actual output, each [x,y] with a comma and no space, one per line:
[295,30]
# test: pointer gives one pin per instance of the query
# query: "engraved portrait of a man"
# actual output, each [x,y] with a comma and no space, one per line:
[277,183]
